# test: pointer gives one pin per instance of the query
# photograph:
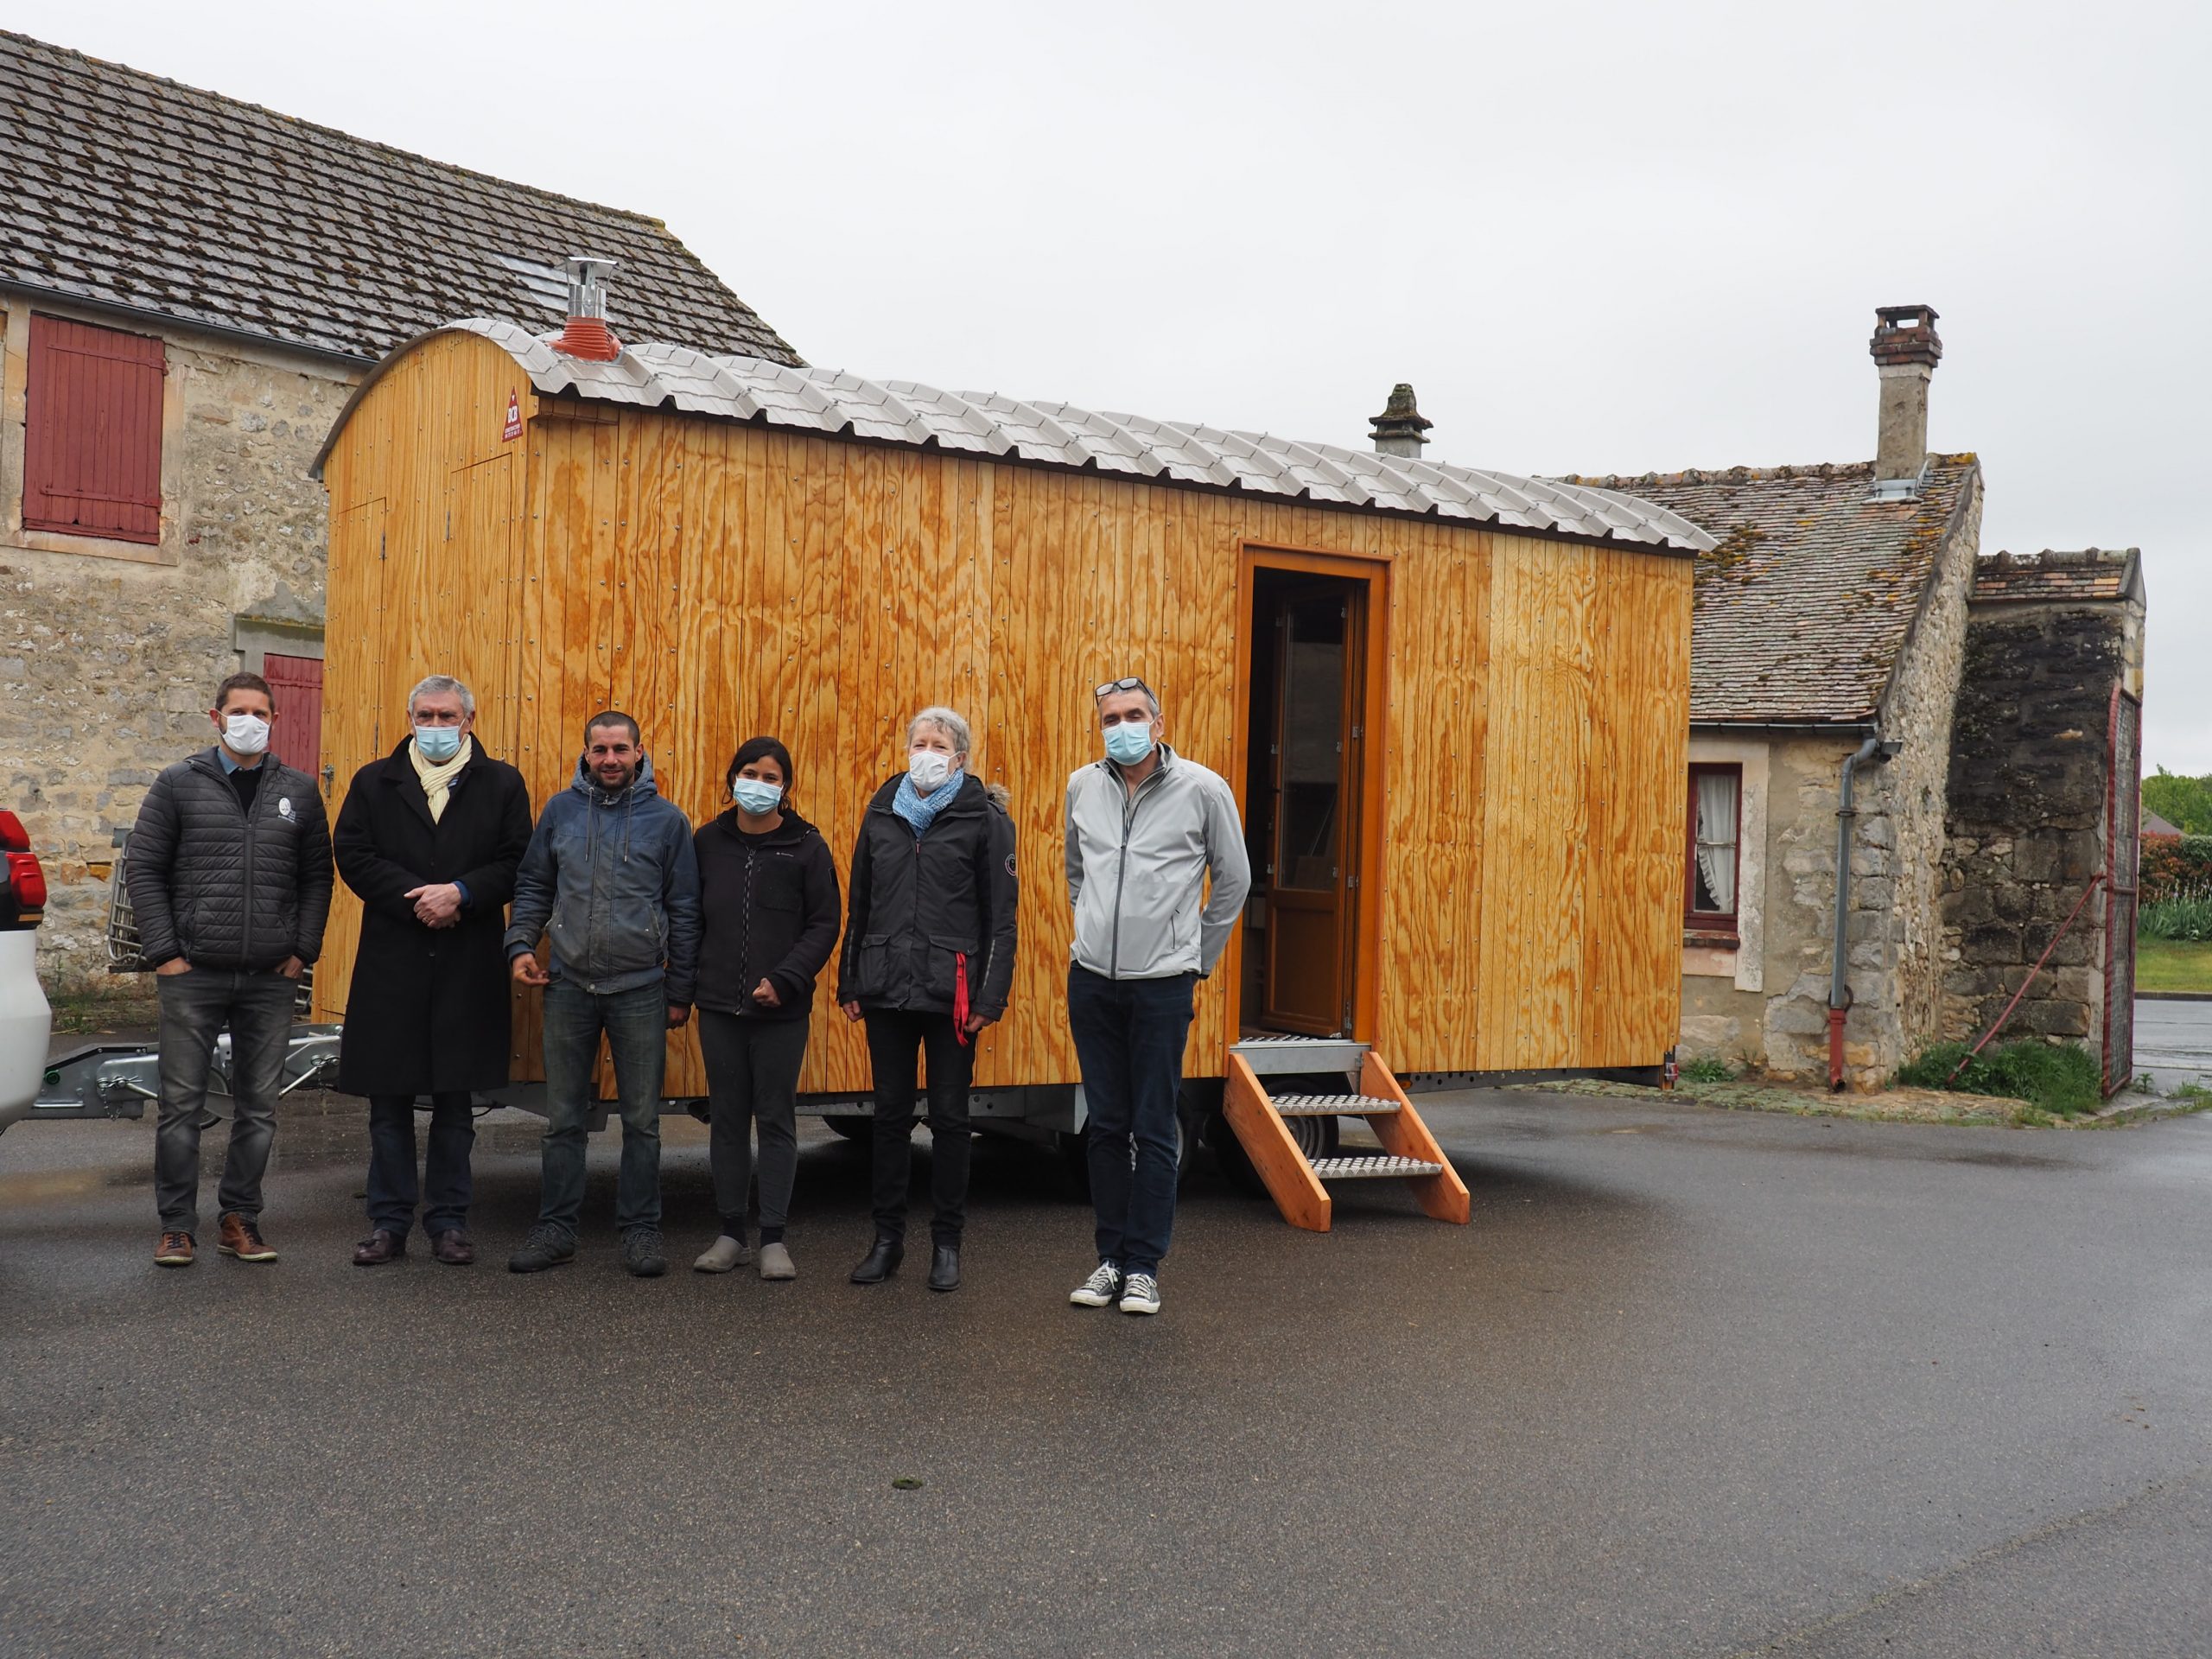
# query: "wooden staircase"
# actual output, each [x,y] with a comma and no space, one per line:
[1294,1182]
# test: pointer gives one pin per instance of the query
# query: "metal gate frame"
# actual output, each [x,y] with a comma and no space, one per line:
[2123,853]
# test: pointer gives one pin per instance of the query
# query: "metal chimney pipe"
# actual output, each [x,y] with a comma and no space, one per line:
[586,336]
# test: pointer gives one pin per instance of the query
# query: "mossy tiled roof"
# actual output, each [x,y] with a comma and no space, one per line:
[126,189]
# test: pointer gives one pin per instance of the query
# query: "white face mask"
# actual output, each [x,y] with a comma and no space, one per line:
[929,768]
[244,733]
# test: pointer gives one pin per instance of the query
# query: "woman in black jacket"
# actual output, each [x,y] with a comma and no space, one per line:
[928,960]
[768,918]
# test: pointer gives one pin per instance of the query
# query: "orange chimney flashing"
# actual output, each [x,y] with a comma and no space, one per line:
[588,338]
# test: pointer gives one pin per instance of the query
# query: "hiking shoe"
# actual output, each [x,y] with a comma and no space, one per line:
[1140,1295]
[546,1247]
[776,1263]
[642,1253]
[722,1256]
[174,1251]
[241,1236]
[1100,1289]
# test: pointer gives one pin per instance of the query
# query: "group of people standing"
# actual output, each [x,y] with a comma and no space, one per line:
[647,924]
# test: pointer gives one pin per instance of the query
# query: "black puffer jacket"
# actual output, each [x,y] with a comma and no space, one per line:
[767,910]
[917,905]
[221,890]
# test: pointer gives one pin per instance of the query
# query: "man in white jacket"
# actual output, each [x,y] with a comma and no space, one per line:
[1145,830]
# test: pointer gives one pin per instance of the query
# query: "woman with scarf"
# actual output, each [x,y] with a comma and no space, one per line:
[928,960]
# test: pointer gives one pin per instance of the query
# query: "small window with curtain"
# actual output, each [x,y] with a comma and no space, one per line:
[1716,812]
[92,432]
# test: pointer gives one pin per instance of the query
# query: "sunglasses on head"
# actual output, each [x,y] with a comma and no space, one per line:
[1131,683]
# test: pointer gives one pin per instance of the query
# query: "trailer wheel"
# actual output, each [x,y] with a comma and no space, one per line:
[849,1125]
[1317,1137]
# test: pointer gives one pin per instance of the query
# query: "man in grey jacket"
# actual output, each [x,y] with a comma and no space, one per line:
[229,875]
[1145,830]
[611,879]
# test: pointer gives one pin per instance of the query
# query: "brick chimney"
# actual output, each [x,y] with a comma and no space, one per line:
[1398,428]
[1905,352]
[586,335]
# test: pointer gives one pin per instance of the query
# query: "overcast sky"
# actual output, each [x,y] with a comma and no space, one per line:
[1596,237]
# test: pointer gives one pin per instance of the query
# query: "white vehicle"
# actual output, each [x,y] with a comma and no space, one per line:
[26,1021]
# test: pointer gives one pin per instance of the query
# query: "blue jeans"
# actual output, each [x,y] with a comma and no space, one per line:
[445,1173]
[1130,1035]
[636,1024]
[195,1007]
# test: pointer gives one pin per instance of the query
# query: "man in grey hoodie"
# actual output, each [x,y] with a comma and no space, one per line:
[1145,831]
[611,879]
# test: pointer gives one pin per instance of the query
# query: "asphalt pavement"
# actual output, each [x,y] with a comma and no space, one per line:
[1693,1382]
[2173,1041]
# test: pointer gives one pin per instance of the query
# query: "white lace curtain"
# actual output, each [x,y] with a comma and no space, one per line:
[1716,838]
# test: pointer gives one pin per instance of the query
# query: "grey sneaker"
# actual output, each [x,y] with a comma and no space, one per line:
[722,1256]
[546,1247]
[776,1263]
[1100,1289]
[642,1253]
[1140,1293]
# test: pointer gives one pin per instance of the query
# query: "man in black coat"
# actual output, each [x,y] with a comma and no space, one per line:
[429,837]
[229,875]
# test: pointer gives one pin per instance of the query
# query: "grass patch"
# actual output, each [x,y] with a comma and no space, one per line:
[1707,1068]
[2183,915]
[2172,965]
[2056,1077]
[126,1008]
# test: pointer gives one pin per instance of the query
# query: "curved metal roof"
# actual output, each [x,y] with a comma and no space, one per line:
[988,425]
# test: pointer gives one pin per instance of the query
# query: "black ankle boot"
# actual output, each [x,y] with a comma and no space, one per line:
[944,1267]
[882,1261]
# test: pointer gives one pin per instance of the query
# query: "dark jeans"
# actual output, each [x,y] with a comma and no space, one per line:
[751,1076]
[895,1036]
[195,1007]
[636,1024]
[1128,1038]
[391,1162]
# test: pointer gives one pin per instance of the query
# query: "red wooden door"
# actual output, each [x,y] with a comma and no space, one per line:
[296,687]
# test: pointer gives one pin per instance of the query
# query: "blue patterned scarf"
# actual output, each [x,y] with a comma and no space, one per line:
[919,809]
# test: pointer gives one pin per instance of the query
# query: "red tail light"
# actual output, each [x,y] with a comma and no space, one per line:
[25,876]
[13,838]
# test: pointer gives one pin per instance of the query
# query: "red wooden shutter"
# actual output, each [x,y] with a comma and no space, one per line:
[92,432]
[296,689]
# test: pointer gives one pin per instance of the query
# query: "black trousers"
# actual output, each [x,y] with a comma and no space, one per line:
[895,1038]
[752,1077]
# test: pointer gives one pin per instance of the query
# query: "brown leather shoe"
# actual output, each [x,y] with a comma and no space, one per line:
[174,1251]
[241,1237]
[452,1247]
[382,1246]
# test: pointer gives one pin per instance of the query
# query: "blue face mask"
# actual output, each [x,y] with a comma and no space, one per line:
[1129,741]
[437,744]
[755,797]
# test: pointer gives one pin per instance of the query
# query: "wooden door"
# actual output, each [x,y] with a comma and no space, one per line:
[296,692]
[1313,838]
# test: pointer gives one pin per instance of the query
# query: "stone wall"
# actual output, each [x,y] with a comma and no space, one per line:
[1894,964]
[2030,766]
[109,655]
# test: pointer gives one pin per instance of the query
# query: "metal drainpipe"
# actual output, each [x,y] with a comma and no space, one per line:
[1875,751]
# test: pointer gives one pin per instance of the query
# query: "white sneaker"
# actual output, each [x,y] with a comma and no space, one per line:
[1100,1289]
[722,1256]
[776,1263]
[1140,1295]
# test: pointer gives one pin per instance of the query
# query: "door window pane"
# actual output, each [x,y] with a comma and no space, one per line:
[1312,740]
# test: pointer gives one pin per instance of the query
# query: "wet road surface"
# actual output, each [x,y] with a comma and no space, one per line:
[2173,1042]
[1693,1382]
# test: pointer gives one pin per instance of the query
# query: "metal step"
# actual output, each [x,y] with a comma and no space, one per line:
[1276,1052]
[1331,1105]
[1371,1168]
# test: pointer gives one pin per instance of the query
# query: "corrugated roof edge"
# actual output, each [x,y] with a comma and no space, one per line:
[905,414]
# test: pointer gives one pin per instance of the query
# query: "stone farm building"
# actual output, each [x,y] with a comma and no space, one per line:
[1847,602]
[190,289]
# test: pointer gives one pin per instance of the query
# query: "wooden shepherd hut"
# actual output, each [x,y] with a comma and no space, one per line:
[1454,705]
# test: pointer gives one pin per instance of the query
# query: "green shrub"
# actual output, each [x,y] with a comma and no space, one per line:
[2174,864]
[1706,1068]
[2058,1078]
[2185,802]
[2184,914]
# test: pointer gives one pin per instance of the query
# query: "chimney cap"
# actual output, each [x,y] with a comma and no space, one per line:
[1398,429]
[1905,335]
[587,334]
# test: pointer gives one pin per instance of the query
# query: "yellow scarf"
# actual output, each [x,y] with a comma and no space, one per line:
[438,779]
